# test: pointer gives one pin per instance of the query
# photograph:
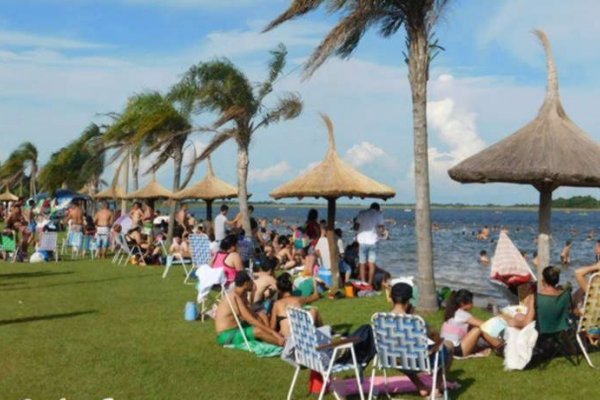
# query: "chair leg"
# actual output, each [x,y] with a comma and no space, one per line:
[358,382]
[291,391]
[372,383]
[583,350]
[434,377]
[167,267]
[327,375]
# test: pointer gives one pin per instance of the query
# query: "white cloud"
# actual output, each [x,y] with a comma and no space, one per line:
[22,39]
[457,130]
[308,167]
[202,3]
[269,173]
[366,153]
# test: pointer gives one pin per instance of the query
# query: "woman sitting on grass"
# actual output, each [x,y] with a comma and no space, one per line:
[228,258]
[287,299]
[461,329]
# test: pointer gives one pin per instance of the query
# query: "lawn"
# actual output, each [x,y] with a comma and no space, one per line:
[92,330]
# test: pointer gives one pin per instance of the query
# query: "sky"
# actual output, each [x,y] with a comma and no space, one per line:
[64,63]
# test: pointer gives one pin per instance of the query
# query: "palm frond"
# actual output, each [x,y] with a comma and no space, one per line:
[296,9]
[288,107]
[276,65]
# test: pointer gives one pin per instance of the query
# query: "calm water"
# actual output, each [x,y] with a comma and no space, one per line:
[455,247]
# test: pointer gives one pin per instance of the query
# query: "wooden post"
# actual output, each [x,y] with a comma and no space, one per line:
[332,242]
[209,210]
[544,215]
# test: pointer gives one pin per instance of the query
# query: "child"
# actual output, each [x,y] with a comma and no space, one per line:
[565,255]
[461,329]
[483,258]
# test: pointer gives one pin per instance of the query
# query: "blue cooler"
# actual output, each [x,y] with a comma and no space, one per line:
[325,275]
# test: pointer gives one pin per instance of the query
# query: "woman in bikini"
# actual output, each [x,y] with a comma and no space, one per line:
[286,299]
[228,258]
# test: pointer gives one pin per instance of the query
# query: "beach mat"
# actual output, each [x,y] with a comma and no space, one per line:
[396,384]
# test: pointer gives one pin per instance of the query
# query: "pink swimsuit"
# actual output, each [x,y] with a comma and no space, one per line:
[230,272]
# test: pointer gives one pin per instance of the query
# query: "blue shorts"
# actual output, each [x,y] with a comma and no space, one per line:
[366,253]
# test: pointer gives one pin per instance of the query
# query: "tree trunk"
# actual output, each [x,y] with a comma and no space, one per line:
[125,183]
[177,162]
[209,210]
[242,169]
[135,170]
[418,75]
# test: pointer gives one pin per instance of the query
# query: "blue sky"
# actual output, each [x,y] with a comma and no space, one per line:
[62,62]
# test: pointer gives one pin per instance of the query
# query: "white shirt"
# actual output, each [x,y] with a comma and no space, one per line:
[220,227]
[323,248]
[368,221]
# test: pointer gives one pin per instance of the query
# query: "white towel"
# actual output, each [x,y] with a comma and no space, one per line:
[207,278]
[519,346]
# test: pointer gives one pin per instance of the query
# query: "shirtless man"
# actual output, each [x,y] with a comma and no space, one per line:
[237,221]
[254,326]
[181,216]
[565,254]
[136,214]
[265,283]
[103,219]
[75,215]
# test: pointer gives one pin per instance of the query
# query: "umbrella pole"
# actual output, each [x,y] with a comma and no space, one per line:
[209,210]
[544,214]
[332,242]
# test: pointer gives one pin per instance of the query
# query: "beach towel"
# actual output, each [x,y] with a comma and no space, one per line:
[519,346]
[261,349]
[396,384]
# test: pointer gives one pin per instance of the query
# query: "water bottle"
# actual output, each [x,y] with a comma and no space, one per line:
[191,311]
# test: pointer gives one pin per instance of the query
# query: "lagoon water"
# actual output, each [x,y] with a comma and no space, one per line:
[456,249]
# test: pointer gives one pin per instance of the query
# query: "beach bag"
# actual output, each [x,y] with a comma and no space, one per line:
[191,311]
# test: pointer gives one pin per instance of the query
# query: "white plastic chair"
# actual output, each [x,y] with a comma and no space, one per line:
[124,252]
[315,351]
[173,259]
[401,342]
[590,318]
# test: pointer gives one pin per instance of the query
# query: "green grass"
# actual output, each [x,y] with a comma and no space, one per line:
[91,330]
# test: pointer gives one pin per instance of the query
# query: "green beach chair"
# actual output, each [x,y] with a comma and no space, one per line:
[553,322]
[9,246]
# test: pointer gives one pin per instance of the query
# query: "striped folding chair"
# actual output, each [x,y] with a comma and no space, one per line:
[401,342]
[315,351]
[589,322]
[49,242]
[201,254]
[124,252]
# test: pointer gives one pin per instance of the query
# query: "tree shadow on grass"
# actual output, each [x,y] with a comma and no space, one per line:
[35,274]
[45,317]
[91,281]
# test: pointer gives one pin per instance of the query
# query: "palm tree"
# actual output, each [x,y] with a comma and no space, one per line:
[75,165]
[219,86]
[160,128]
[19,161]
[418,17]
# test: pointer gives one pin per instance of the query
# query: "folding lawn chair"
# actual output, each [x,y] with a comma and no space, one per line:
[201,254]
[208,278]
[49,242]
[173,259]
[124,252]
[589,323]
[315,351]
[9,246]
[553,322]
[401,342]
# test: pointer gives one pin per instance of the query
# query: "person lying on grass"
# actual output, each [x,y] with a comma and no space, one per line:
[461,329]
[255,326]
[279,320]
[401,294]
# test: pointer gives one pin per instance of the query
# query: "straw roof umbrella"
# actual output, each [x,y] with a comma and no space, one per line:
[548,152]
[151,191]
[112,192]
[331,179]
[8,196]
[208,189]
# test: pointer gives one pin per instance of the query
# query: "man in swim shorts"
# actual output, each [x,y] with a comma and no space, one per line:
[103,219]
[255,326]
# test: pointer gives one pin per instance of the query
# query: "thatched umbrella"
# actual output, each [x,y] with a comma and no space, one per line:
[151,191]
[548,152]
[331,179]
[112,192]
[209,189]
[8,196]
